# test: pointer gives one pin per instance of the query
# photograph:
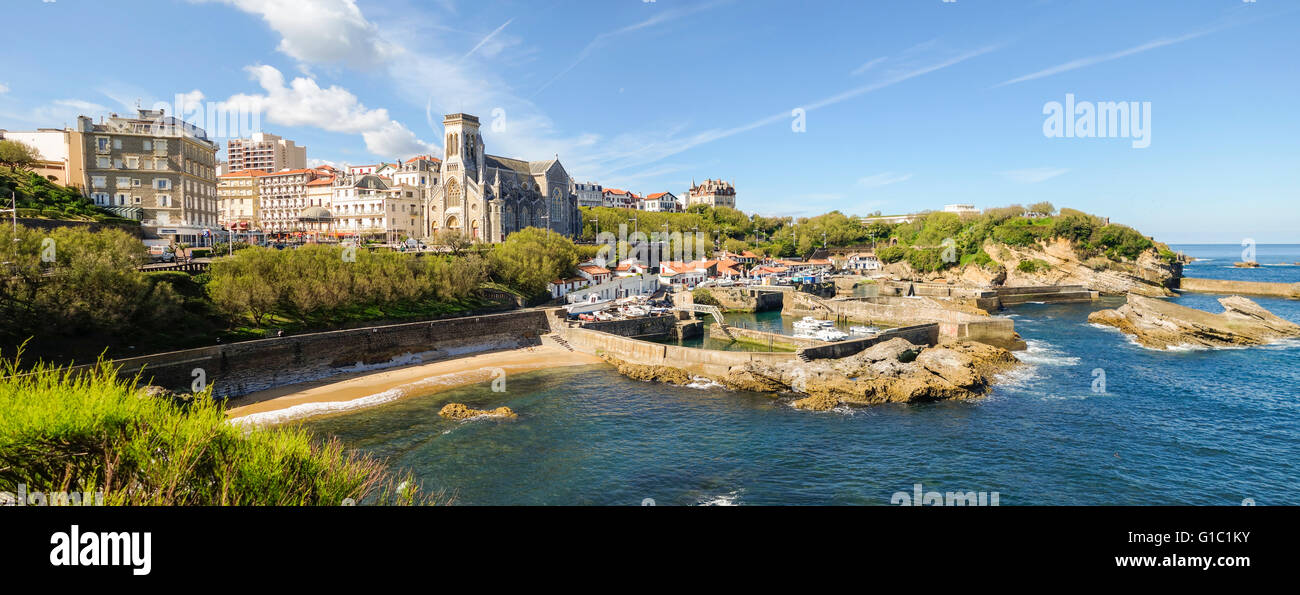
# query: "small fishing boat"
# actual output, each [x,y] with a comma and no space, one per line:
[861,330]
[591,304]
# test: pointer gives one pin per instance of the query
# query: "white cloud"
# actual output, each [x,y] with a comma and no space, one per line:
[321,31]
[303,102]
[4,88]
[1033,175]
[883,179]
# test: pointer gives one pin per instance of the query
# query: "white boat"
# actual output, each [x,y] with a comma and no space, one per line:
[592,304]
[861,330]
[831,334]
[604,316]
[635,311]
[812,324]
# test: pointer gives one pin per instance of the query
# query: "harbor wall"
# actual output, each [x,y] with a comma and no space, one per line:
[241,368]
[923,334]
[705,362]
[763,337]
[1051,294]
[739,299]
[884,311]
[1282,290]
[651,326]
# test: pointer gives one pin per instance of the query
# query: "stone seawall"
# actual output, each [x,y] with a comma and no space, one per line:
[652,326]
[762,337]
[892,312]
[738,299]
[705,362]
[922,334]
[241,368]
[1282,290]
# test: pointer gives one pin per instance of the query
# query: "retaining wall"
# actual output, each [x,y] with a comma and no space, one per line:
[652,326]
[923,334]
[241,368]
[706,362]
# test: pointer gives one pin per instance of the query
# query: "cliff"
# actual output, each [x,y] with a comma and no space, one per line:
[1057,262]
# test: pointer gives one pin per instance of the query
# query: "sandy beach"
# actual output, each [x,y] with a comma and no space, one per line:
[367,389]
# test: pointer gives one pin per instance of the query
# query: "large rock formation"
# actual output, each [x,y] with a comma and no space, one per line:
[1160,325]
[1148,275]
[459,411]
[894,371]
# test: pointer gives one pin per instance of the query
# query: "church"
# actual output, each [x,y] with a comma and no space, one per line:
[488,197]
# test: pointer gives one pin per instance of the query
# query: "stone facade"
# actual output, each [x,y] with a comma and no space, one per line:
[488,197]
[153,168]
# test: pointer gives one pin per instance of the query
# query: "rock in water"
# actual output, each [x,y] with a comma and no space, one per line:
[461,411]
[1160,325]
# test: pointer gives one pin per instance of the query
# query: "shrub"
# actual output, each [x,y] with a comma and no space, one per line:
[1033,266]
[82,433]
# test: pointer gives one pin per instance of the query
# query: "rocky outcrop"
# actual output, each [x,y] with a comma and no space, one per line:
[1160,325]
[1149,275]
[894,371]
[649,373]
[458,411]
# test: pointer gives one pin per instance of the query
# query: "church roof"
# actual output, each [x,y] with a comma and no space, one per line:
[515,165]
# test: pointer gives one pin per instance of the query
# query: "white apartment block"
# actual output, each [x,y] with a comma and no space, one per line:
[263,151]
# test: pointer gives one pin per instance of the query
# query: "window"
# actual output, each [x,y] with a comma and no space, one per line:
[123,182]
[99,181]
[162,184]
[133,162]
[117,143]
[164,200]
[135,182]
[159,147]
[148,145]
[101,144]
[161,164]
[123,198]
[117,163]
[103,162]
[100,198]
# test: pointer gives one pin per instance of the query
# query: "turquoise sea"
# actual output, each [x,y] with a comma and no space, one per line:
[1211,427]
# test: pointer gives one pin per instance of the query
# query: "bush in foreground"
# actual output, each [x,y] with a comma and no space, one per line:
[65,432]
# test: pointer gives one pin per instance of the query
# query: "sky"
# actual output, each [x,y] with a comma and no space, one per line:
[895,106]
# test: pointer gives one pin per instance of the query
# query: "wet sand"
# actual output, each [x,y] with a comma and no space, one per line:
[366,389]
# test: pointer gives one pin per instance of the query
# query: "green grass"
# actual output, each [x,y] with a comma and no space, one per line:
[61,432]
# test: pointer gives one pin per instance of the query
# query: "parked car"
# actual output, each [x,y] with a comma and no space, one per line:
[161,254]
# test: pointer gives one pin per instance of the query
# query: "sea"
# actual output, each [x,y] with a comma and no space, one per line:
[1091,419]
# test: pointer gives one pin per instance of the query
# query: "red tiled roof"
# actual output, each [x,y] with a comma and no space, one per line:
[656,195]
[244,174]
[616,191]
[326,181]
[594,270]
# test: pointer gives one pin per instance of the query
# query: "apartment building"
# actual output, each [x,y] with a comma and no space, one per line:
[283,197]
[589,194]
[263,151]
[239,200]
[152,167]
[660,202]
[369,207]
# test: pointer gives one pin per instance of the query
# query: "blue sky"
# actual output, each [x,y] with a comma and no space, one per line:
[909,104]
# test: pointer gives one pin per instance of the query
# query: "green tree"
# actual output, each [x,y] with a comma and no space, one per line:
[530,259]
[18,155]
